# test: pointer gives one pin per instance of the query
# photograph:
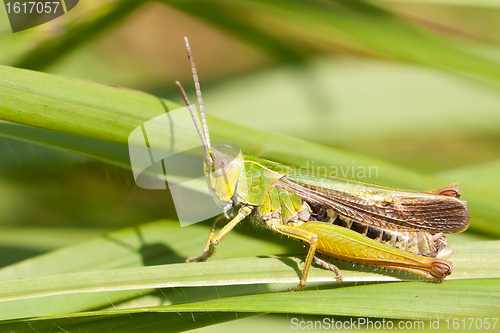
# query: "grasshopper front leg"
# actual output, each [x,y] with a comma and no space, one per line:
[208,249]
[214,239]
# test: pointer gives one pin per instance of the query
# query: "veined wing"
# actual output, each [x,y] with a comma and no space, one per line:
[381,206]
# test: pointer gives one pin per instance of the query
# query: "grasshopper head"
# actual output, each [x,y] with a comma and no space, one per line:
[223,172]
[223,162]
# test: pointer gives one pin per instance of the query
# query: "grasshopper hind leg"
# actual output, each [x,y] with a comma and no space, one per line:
[310,238]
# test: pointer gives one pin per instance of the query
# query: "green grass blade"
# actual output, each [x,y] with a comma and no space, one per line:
[224,272]
[137,322]
[357,24]
[156,243]
[105,17]
[232,22]
[109,114]
[106,151]
[468,3]
[416,301]
[18,242]
[472,261]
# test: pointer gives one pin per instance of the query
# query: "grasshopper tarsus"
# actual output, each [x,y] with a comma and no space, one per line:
[201,258]
[298,288]
[208,252]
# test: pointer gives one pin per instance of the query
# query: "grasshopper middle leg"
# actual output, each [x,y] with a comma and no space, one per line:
[328,265]
[309,237]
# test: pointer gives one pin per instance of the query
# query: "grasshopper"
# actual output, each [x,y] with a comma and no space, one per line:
[346,219]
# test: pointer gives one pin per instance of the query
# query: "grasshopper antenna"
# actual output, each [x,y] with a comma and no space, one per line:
[198,92]
[195,120]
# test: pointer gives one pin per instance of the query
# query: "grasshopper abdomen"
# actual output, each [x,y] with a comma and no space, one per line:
[418,252]
[348,245]
[418,242]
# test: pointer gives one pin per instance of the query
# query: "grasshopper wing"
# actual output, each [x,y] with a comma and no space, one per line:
[381,206]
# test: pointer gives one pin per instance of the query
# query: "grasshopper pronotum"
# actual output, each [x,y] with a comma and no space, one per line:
[345,219]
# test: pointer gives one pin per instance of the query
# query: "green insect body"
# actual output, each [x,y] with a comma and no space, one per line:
[345,219]
[348,245]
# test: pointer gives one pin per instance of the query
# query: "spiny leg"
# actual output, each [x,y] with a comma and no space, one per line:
[309,237]
[326,264]
[209,249]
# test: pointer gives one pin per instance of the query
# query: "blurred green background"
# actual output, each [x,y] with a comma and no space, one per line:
[412,83]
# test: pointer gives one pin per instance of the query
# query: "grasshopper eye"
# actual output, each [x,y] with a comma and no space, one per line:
[221,165]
